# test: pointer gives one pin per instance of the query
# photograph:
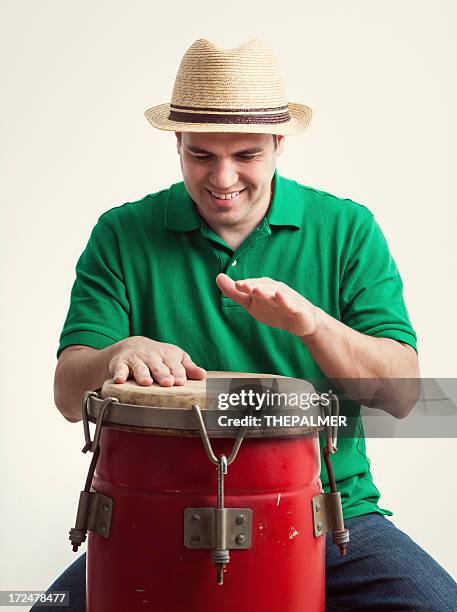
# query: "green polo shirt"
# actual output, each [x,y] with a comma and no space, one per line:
[149,269]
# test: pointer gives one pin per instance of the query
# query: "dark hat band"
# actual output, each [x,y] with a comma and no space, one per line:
[227,116]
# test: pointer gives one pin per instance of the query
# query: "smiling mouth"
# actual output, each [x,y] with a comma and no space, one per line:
[228,197]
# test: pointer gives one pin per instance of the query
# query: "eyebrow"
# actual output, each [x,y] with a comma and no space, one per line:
[249,151]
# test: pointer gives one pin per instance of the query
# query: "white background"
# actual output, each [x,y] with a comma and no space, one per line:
[76,79]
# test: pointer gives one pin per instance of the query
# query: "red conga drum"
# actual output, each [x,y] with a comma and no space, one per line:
[164,521]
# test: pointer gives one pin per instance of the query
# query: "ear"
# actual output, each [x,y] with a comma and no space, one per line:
[178,140]
[281,140]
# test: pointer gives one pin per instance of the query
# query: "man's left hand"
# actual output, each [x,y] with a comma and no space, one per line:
[273,303]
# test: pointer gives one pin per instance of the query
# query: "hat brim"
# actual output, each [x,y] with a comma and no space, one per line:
[300,117]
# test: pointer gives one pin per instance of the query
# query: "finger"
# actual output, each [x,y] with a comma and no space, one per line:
[141,374]
[178,371]
[264,294]
[286,302]
[193,371]
[227,286]
[244,287]
[161,372]
[248,285]
[120,372]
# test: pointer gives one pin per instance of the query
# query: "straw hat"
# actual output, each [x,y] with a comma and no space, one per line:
[229,90]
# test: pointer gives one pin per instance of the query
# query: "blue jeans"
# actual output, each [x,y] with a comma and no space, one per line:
[383,570]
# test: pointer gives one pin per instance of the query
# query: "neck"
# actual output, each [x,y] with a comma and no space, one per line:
[235,235]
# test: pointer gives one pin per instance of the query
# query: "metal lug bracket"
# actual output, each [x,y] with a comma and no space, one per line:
[327,513]
[94,513]
[200,527]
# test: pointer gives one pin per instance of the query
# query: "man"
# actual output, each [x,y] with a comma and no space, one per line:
[237,268]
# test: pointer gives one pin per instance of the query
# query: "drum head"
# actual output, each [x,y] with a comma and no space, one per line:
[169,410]
[177,396]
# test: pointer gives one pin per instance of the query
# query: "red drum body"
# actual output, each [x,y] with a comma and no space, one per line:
[144,564]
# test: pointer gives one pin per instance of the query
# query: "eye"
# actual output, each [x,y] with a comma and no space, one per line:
[244,158]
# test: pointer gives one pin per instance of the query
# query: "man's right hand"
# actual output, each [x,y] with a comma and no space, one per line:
[148,361]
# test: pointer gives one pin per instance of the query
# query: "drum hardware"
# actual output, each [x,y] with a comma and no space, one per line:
[332,432]
[94,509]
[222,528]
[199,527]
[327,508]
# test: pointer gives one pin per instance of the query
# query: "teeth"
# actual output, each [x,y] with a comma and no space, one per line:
[228,196]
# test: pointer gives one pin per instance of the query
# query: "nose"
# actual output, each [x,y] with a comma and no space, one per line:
[223,175]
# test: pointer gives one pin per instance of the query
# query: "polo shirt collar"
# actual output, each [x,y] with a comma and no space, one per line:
[181,212]
[285,210]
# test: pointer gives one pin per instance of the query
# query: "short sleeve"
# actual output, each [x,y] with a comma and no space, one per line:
[371,292]
[99,312]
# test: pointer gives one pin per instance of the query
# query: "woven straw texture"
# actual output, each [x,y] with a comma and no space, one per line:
[230,90]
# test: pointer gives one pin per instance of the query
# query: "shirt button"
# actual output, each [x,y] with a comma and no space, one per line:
[234,262]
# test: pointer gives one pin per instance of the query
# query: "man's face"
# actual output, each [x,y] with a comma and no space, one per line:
[228,175]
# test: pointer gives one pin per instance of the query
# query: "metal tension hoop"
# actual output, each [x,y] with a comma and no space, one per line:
[94,509]
[218,528]
[327,508]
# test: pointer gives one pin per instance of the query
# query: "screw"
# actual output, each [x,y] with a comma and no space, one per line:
[240,519]
[105,507]
[195,518]
[317,507]
[102,526]
[319,527]
[195,539]
[240,538]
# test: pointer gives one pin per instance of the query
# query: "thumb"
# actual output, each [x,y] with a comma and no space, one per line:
[193,371]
